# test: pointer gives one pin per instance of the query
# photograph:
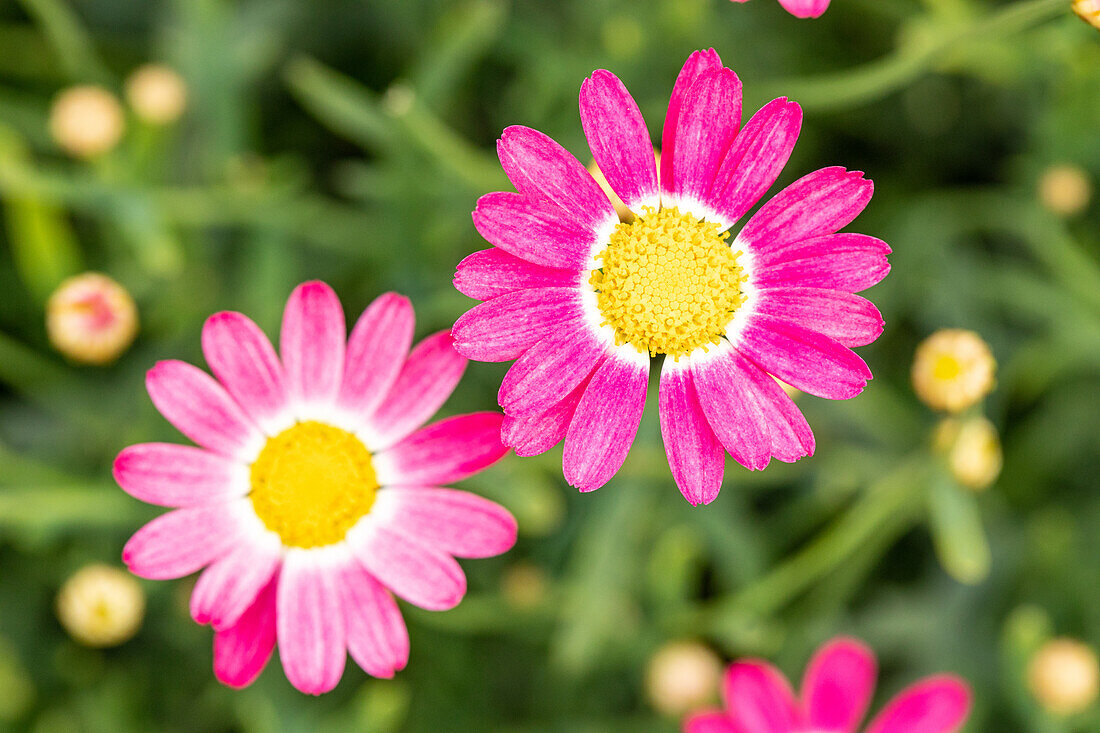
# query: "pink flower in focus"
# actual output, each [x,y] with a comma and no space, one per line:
[583,301]
[836,692]
[802,8]
[313,492]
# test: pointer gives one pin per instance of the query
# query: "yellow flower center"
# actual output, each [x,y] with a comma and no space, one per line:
[946,367]
[311,483]
[669,283]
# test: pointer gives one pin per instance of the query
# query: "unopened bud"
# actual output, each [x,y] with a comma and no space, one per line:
[101,606]
[157,94]
[86,121]
[91,319]
[953,369]
[1064,676]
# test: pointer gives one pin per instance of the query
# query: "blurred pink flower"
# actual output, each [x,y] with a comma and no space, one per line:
[836,692]
[312,494]
[583,301]
[802,8]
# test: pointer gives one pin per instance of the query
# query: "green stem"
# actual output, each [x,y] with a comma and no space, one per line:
[70,41]
[895,495]
[879,78]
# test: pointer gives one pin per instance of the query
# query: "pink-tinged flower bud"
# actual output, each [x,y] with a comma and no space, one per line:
[953,369]
[1089,10]
[682,676]
[1065,189]
[101,606]
[91,319]
[1064,676]
[157,94]
[86,121]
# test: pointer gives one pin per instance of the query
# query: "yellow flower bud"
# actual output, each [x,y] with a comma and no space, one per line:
[1089,10]
[973,451]
[1065,189]
[1064,676]
[101,606]
[91,319]
[86,121]
[682,676]
[625,214]
[157,94]
[953,369]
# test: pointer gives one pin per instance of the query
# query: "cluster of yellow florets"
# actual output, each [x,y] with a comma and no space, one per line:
[312,483]
[669,283]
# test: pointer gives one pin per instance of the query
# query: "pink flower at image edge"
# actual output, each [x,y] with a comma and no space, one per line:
[802,8]
[836,692]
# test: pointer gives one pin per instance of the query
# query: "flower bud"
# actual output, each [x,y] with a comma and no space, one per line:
[1065,189]
[91,319]
[157,94]
[101,606]
[973,451]
[953,369]
[682,676]
[1064,676]
[86,121]
[1088,10]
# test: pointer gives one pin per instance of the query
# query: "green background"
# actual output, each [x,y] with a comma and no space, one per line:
[348,141]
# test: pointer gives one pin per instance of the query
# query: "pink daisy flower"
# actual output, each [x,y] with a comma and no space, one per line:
[584,301]
[802,8]
[313,492]
[836,692]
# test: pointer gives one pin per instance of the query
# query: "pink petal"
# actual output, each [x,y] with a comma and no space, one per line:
[803,358]
[848,319]
[695,455]
[443,452]
[242,651]
[377,638]
[710,116]
[760,699]
[376,350]
[310,623]
[534,229]
[820,203]
[244,361]
[427,379]
[751,415]
[530,436]
[697,63]
[838,685]
[551,368]
[312,343]
[457,522]
[938,704]
[184,540]
[714,721]
[196,404]
[805,8]
[503,328]
[849,262]
[755,159]
[493,272]
[422,575]
[178,475]
[606,420]
[619,140]
[538,166]
[227,588]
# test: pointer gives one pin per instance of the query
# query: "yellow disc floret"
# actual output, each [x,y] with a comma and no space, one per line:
[669,283]
[311,483]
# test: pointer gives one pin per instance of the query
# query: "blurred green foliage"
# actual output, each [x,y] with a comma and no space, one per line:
[349,141]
